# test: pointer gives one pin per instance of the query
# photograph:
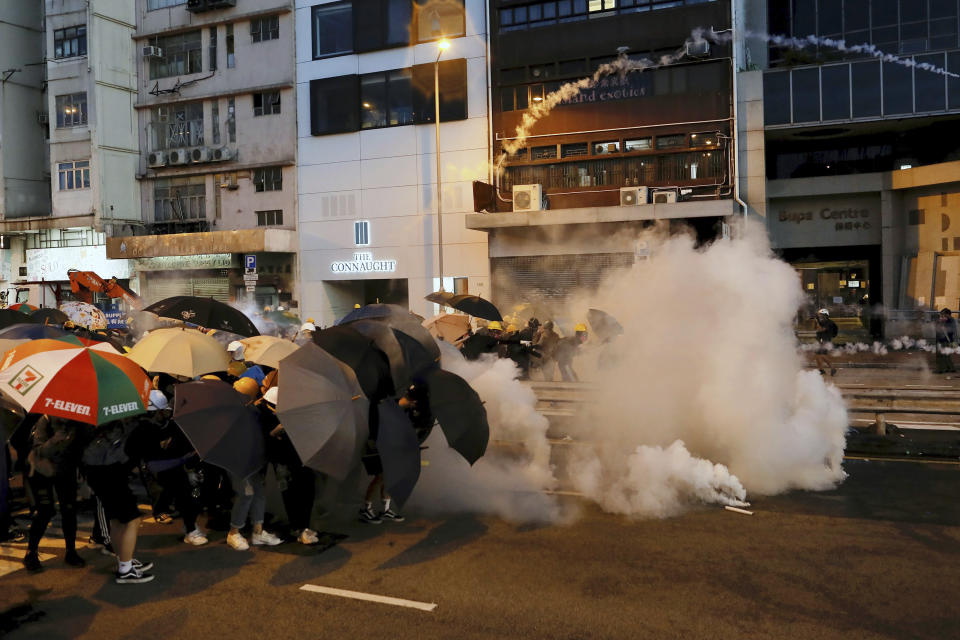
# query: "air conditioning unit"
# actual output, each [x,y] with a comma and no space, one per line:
[664,196]
[196,5]
[178,156]
[223,153]
[157,159]
[529,197]
[697,49]
[221,4]
[152,52]
[201,154]
[43,117]
[632,196]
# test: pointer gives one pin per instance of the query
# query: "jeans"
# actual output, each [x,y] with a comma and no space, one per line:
[249,500]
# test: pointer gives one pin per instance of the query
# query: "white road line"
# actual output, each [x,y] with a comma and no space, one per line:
[370,597]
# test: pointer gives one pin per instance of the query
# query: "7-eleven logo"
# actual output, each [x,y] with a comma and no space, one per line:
[25,380]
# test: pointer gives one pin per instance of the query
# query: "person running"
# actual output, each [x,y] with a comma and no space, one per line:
[826,331]
[946,336]
[545,342]
[567,349]
[56,447]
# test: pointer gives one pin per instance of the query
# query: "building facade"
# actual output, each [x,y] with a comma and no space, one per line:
[215,119]
[368,205]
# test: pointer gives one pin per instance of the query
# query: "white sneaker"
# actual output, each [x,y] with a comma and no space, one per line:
[265,538]
[196,538]
[238,542]
[308,536]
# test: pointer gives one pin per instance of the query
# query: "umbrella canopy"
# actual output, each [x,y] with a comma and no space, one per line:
[10,317]
[85,315]
[267,350]
[49,316]
[604,325]
[417,358]
[221,425]
[7,344]
[323,410]
[460,412]
[448,326]
[396,317]
[206,312]
[181,352]
[383,336]
[359,353]
[23,307]
[224,337]
[281,318]
[30,331]
[474,305]
[74,379]
[399,451]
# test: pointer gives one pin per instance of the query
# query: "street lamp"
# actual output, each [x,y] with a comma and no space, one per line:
[442,46]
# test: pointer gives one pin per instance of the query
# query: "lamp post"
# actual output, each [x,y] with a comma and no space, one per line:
[442,46]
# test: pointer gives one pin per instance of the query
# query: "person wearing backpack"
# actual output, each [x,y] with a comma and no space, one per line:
[827,330]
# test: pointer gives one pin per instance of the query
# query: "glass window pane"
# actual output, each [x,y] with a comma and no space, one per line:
[866,89]
[829,17]
[913,10]
[943,8]
[835,85]
[373,100]
[564,8]
[399,17]
[776,97]
[804,17]
[856,15]
[930,89]
[897,89]
[883,12]
[521,97]
[332,29]
[806,95]
[506,99]
[400,97]
[953,82]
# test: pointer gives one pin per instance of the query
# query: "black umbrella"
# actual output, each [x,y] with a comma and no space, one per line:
[206,312]
[323,410]
[383,336]
[604,325]
[10,317]
[221,425]
[399,451]
[473,305]
[460,412]
[359,353]
[27,331]
[396,317]
[49,316]
[418,359]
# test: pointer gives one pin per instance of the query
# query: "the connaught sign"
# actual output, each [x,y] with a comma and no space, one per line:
[825,221]
[364,263]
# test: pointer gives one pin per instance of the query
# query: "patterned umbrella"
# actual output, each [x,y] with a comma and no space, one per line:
[75,379]
[85,315]
[23,307]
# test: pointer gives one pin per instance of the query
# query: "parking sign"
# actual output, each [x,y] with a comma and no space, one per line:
[250,261]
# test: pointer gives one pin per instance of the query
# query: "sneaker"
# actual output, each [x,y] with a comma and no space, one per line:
[162,518]
[31,562]
[369,516]
[238,542]
[74,560]
[196,538]
[142,566]
[134,576]
[265,538]
[308,536]
[391,515]
[105,547]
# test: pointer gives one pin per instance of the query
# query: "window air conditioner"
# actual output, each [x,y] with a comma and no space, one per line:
[178,156]
[152,52]
[221,4]
[529,197]
[201,154]
[157,159]
[632,196]
[699,49]
[223,153]
[664,196]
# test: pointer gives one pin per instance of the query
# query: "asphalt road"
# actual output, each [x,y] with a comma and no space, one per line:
[875,558]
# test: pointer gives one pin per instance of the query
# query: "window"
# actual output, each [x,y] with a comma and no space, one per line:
[554,11]
[361,233]
[70,42]
[806,95]
[835,89]
[266,103]
[231,121]
[179,199]
[332,29]
[163,4]
[543,153]
[381,24]
[573,149]
[386,99]
[71,110]
[213,49]
[439,19]
[263,29]
[74,175]
[215,122]
[594,6]
[639,144]
[600,148]
[269,218]
[231,59]
[671,142]
[58,238]
[333,105]
[513,98]
[181,55]
[174,126]
[268,179]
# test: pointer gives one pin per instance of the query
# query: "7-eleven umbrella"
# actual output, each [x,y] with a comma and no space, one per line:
[75,379]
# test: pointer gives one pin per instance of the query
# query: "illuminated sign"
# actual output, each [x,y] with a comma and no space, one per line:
[364,263]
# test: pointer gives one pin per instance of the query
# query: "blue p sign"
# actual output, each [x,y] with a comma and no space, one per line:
[250,261]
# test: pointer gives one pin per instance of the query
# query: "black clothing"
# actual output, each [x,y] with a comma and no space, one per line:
[827,330]
[479,344]
[111,483]
[46,492]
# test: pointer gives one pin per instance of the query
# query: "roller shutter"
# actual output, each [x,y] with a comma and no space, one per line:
[519,279]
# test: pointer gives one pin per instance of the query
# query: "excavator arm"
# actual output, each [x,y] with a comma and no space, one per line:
[84,283]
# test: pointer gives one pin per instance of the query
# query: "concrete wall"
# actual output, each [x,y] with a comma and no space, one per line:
[388,176]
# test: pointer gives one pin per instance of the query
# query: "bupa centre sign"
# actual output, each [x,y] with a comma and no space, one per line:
[364,262]
[825,221]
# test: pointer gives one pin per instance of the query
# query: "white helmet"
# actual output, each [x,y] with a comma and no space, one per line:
[271,395]
[158,401]
[308,326]
[235,348]
[823,312]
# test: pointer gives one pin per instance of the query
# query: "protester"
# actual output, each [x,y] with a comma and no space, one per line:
[56,446]
[305,335]
[567,349]
[826,331]
[529,331]
[946,336]
[545,342]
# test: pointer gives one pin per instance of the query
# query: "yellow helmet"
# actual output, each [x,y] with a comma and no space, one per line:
[494,324]
[247,386]
[236,368]
[69,324]
[356,305]
[209,376]
[580,327]
[511,327]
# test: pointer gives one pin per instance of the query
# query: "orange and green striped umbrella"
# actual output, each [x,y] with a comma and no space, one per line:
[75,379]
[23,307]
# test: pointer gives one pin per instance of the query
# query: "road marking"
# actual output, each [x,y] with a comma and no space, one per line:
[370,597]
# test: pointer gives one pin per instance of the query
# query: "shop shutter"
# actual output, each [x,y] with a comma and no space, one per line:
[218,288]
[520,279]
[165,285]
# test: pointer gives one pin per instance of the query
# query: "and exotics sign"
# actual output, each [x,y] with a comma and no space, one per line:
[364,263]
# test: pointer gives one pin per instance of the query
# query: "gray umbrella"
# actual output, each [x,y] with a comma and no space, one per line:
[398,318]
[322,409]
[385,339]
